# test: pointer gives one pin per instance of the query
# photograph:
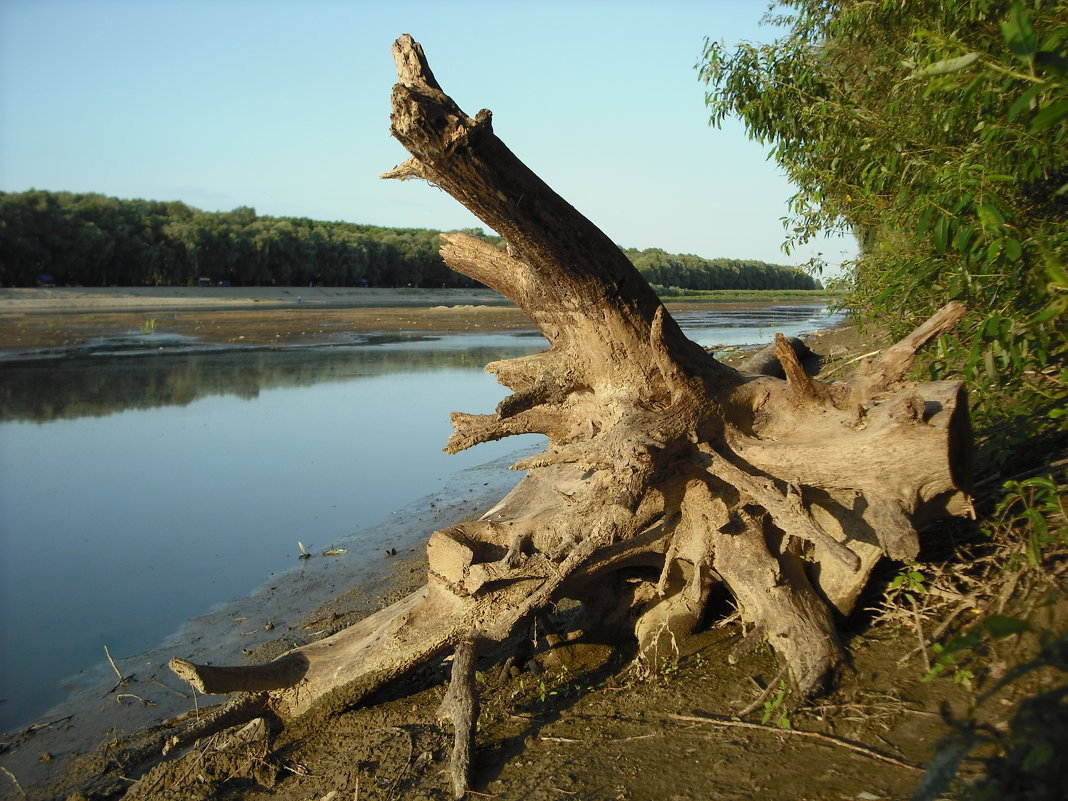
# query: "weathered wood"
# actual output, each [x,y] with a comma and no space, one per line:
[460,708]
[659,458]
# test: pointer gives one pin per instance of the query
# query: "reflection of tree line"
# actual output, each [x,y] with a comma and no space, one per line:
[52,390]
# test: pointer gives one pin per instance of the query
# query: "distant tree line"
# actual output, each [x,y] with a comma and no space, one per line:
[686,271]
[95,240]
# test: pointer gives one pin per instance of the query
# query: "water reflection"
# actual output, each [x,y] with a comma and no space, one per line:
[116,528]
[93,386]
[753,324]
[117,375]
[137,490]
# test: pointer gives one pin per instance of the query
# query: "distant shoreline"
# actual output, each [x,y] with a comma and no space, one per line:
[63,318]
[57,300]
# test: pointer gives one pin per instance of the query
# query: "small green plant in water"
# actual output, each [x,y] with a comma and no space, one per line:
[775,708]
[149,326]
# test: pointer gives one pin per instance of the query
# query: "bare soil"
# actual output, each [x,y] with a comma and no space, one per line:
[574,721]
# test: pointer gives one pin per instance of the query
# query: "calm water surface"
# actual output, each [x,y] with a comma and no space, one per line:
[137,491]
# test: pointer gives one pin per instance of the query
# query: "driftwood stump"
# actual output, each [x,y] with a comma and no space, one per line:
[663,465]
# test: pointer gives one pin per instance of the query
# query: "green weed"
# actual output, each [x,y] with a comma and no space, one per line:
[775,708]
[1037,505]
[1026,752]
[909,582]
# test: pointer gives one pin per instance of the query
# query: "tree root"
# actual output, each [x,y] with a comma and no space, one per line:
[666,471]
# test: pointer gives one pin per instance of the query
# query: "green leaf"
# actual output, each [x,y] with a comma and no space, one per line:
[989,366]
[941,233]
[1001,626]
[1024,101]
[925,222]
[948,65]
[963,238]
[1019,31]
[1040,753]
[1049,116]
[990,216]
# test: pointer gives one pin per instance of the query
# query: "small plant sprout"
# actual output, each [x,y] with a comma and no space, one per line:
[775,710]
[910,581]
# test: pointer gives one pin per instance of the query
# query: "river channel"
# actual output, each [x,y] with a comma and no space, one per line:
[141,489]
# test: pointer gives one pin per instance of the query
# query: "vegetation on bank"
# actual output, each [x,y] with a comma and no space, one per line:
[94,240]
[937,132]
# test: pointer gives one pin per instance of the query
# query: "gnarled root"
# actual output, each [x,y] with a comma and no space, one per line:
[660,460]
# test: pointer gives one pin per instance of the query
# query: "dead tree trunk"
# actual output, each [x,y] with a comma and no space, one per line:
[659,457]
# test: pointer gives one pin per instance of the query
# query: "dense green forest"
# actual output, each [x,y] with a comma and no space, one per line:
[666,271]
[94,240]
[937,132]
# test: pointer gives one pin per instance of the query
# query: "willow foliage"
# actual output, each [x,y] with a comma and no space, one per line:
[937,132]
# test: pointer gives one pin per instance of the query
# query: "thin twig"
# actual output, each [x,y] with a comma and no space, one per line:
[838,367]
[33,727]
[120,696]
[11,776]
[760,698]
[409,738]
[113,665]
[814,735]
[637,737]
[168,687]
[919,634]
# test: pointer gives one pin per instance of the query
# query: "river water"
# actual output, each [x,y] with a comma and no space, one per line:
[139,490]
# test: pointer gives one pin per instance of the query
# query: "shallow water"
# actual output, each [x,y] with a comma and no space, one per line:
[137,490]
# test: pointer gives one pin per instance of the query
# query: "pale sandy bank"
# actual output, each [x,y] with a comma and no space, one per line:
[75,299]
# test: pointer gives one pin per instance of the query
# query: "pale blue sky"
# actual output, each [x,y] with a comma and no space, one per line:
[284,106]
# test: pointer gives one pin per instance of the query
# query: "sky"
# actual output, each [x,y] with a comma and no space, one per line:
[284,107]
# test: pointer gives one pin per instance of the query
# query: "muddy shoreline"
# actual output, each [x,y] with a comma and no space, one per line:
[310,599]
[584,729]
[54,320]
[67,319]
